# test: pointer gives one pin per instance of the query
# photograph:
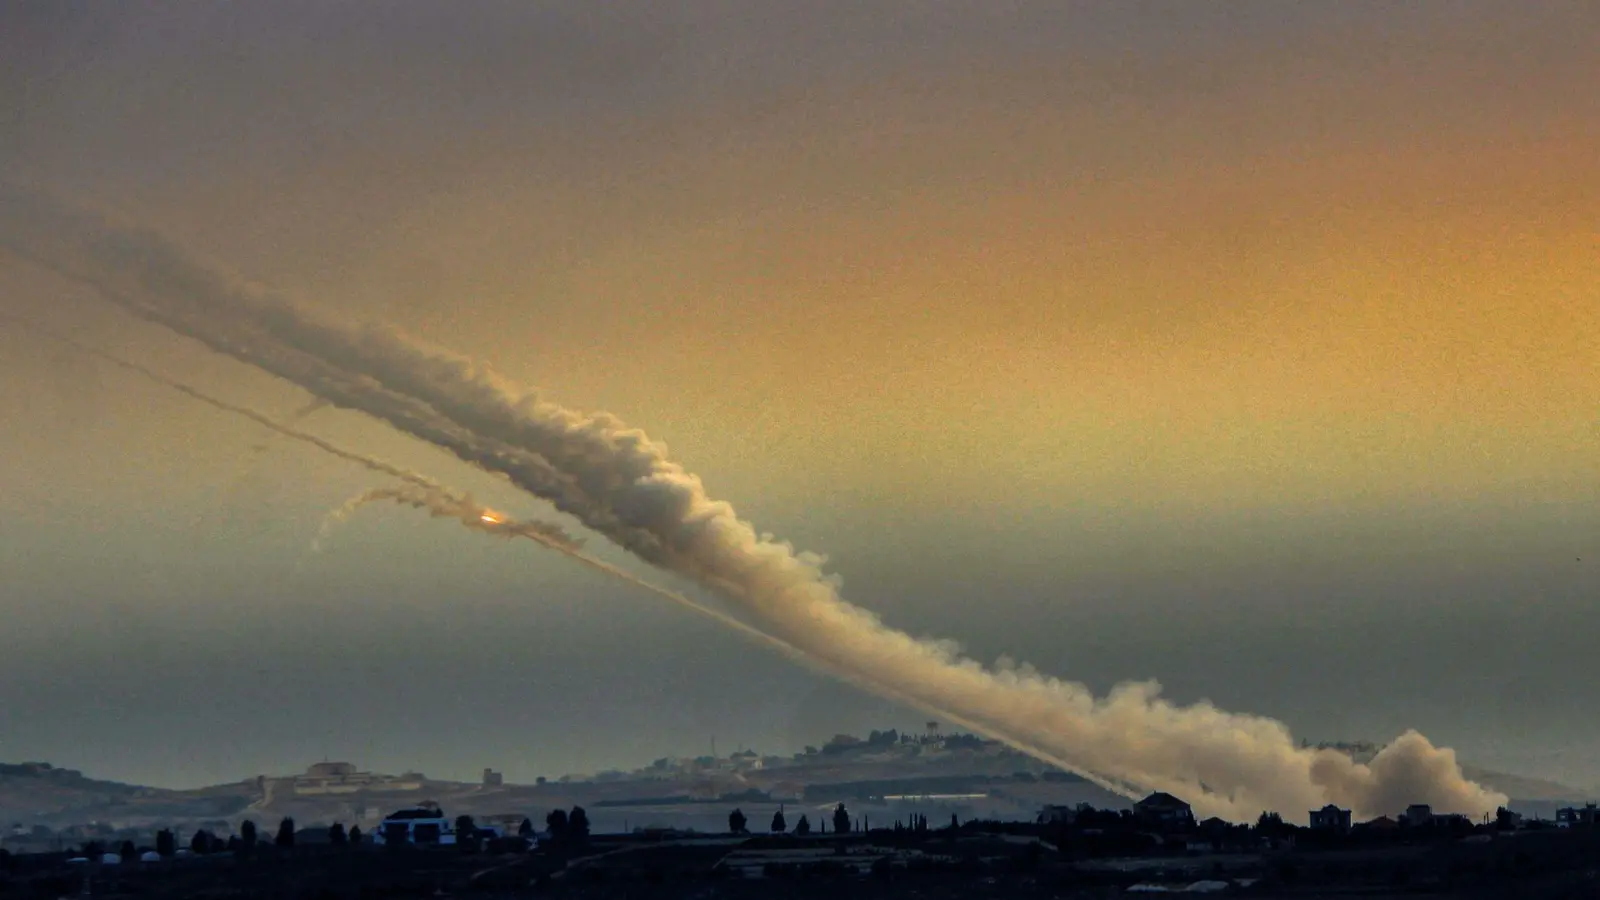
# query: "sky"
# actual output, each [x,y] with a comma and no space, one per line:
[1249,348]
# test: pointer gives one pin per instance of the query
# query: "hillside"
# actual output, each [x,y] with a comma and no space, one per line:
[38,793]
[885,776]
[33,790]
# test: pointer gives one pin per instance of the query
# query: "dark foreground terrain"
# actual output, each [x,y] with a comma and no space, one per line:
[1552,864]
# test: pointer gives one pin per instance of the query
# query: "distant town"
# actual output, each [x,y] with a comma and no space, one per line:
[872,806]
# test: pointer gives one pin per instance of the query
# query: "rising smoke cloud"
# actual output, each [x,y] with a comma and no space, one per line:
[621,484]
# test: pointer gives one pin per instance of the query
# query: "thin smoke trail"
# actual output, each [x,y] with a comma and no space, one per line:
[247,464]
[619,483]
[261,419]
[444,504]
[441,494]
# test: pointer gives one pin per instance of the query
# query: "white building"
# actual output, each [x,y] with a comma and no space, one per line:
[423,825]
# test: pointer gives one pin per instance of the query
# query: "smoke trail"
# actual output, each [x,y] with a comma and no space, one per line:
[482,519]
[230,488]
[229,492]
[621,484]
[447,505]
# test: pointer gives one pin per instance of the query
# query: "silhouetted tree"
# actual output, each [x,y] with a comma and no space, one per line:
[247,837]
[337,836]
[525,830]
[778,825]
[736,822]
[5,860]
[285,838]
[355,835]
[841,819]
[803,826]
[578,826]
[466,833]
[200,843]
[556,822]
[1270,824]
[166,843]
[129,852]
[955,823]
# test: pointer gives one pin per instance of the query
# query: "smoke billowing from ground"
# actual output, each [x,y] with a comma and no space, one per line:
[619,483]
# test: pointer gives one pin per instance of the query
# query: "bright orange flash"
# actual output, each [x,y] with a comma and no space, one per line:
[490,518]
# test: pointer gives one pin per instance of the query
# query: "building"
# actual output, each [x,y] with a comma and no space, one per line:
[330,770]
[1418,814]
[1572,816]
[491,778]
[1057,815]
[424,824]
[1165,810]
[343,778]
[1331,818]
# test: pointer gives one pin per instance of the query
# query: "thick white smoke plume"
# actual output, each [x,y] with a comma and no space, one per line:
[619,483]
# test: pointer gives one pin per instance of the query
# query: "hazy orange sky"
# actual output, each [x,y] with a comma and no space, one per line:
[1148,339]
